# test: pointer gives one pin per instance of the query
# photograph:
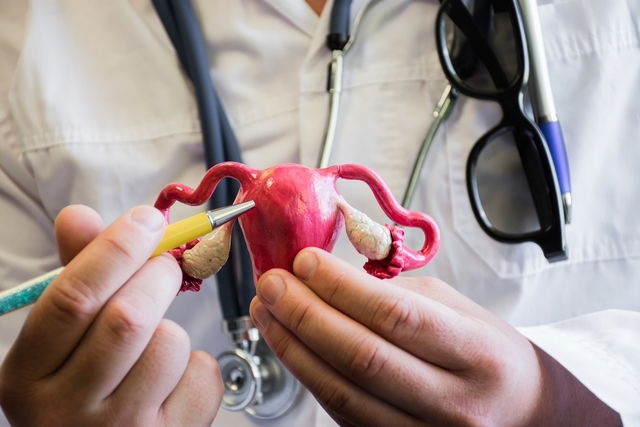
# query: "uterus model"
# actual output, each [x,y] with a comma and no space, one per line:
[298,207]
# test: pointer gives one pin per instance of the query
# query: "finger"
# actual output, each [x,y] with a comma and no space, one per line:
[340,397]
[349,347]
[425,328]
[123,329]
[76,226]
[437,290]
[196,399]
[156,373]
[69,305]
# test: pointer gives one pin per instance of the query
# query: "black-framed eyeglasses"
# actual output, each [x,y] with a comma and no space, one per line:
[510,177]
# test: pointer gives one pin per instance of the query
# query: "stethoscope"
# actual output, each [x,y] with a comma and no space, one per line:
[339,40]
[255,381]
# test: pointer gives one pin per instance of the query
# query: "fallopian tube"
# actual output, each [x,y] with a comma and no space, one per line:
[297,207]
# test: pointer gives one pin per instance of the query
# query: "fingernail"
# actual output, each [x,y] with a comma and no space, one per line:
[305,264]
[147,217]
[271,288]
[261,316]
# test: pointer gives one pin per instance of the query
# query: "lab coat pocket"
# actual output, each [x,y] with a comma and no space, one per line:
[466,124]
[107,78]
[94,88]
[594,60]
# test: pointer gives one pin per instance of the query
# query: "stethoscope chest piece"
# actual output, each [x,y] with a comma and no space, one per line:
[241,377]
[256,381]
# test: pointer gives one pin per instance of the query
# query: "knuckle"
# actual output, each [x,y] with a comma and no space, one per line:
[120,246]
[334,399]
[281,346]
[73,300]
[491,362]
[124,322]
[338,280]
[394,317]
[206,363]
[496,367]
[366,359]
[400,317]
[300,316]
[170,333]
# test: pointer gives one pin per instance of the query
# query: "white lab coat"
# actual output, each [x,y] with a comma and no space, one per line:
[94,109]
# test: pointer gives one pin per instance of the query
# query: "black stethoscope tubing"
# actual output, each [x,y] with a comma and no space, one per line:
[339,24]
[235,279]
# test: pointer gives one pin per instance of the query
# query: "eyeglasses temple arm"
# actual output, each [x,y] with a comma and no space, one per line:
[461,16]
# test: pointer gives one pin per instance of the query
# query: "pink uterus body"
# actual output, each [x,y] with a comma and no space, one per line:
[299,207]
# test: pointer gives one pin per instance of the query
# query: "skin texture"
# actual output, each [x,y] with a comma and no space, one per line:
[410,351]
[95,349]
[316,5]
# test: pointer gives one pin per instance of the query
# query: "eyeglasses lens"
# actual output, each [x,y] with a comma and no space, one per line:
[481,45]
[503,187]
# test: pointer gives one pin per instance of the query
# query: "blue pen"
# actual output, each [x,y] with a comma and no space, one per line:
[542,101]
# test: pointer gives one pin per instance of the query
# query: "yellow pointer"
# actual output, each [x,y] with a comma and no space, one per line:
[176,234]
[183,231]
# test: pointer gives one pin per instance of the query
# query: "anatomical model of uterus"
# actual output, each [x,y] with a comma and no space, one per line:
[298,207]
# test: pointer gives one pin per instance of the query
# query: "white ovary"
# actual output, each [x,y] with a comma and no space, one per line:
[371,239]
[210,254]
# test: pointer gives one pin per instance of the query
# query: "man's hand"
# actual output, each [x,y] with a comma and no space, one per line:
[95,349]
[408,351]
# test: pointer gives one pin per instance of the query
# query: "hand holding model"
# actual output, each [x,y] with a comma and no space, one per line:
[95,349]
[410,351]
[403,352]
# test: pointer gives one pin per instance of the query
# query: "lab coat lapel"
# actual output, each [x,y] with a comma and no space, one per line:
[298,12]
[301,15]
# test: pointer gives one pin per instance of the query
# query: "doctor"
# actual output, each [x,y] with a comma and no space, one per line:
[94,110]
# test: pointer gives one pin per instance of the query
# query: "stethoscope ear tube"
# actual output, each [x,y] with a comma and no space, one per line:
[337,39]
